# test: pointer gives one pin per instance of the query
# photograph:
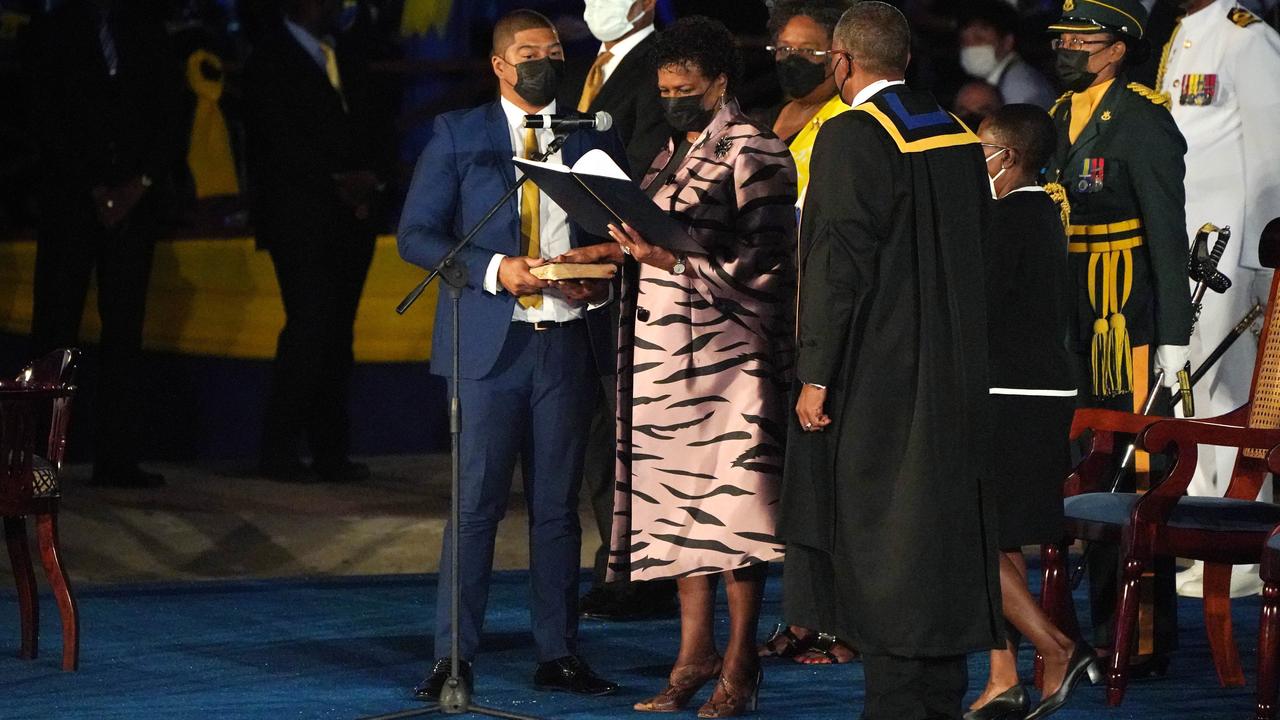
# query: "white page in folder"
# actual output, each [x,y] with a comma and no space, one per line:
[595,162]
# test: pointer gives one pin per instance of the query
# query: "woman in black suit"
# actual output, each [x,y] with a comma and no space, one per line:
[1032,395]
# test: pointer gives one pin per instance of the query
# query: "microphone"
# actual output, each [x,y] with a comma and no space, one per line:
[601,121]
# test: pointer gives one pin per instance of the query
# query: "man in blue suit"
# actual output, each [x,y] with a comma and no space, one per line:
[531,351]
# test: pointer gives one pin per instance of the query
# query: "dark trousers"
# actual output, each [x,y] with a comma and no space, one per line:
[70,247]
[534,405]
[1104,559]
[599,468]
[900,688]
[321,280]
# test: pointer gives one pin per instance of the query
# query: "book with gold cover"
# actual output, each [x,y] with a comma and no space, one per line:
[574,271]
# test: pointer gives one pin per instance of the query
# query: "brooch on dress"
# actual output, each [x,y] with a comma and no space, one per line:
[723,147]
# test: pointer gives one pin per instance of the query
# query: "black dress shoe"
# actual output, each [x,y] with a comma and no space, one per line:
[1012,704]
[342,471]
[571,674]
[1084,661]
[125,476]
[433,684]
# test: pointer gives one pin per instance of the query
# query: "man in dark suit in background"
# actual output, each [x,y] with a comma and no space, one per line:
[531,354]
[103,97]
[313,159]
[621,81]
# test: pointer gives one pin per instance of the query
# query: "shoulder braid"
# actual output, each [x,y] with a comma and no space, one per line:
[1156,97]
[1058,194]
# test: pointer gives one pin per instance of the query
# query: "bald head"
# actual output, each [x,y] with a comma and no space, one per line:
[876,34]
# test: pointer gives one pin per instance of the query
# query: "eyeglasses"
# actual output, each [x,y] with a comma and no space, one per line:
[785,51]
[1076,43]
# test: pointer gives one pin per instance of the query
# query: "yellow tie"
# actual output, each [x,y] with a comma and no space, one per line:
[595,80]
[331,69]
[530,220]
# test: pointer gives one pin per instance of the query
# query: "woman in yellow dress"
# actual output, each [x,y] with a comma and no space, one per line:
[801,31]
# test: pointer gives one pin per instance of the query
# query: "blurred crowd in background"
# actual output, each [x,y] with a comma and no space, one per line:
[430,56]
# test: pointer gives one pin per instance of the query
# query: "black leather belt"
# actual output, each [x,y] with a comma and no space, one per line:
[550,325]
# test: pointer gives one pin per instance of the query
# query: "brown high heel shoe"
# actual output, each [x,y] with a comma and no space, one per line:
[729,701]
[685,682]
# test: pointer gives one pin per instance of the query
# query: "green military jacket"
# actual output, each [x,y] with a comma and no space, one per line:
[1127,237]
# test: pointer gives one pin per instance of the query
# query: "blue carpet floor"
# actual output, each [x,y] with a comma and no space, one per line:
[342,648]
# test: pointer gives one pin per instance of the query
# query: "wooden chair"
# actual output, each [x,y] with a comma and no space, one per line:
[35,409]
[1269,624]
[1223,531]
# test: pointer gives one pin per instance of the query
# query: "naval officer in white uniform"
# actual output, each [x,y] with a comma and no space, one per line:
[1221,71]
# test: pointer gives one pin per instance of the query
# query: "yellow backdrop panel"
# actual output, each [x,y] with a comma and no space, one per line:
[220,297]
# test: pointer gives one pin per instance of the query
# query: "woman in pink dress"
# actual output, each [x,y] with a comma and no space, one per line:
[705,354]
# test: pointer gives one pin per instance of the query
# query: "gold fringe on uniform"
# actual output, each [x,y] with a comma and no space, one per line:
[1058,194]
[1109,289]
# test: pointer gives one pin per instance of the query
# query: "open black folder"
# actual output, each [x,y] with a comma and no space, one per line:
[596,192]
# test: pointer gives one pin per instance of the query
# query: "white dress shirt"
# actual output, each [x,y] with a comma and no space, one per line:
[553,239]
[621,48]
[310,43]
[875,87]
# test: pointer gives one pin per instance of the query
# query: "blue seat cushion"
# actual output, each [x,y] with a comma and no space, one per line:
[1211,514]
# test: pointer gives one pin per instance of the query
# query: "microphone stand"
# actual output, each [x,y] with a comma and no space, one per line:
[455,697]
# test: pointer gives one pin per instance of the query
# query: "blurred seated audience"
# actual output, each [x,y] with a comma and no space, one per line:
[988,35]
[976,100]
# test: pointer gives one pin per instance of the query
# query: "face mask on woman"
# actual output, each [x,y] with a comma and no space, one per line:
[538,80]
[685,113]
[1072,67]
[799,77]
[609,20]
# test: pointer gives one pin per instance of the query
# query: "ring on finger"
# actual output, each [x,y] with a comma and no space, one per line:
[626,250]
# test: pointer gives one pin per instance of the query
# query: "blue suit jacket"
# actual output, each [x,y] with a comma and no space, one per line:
[462,172]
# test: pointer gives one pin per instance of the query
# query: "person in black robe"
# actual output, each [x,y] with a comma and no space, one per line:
[888,523]
[1033,397]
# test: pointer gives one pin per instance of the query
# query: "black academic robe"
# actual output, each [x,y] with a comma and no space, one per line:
[889,542]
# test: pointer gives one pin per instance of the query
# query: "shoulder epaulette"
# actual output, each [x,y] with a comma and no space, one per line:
[1157,98]
[1053,109]
[1242,17]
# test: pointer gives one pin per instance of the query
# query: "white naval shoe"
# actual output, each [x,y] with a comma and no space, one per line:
[1193,574]
[1245,581]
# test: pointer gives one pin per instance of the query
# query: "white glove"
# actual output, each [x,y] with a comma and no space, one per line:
[1172,359]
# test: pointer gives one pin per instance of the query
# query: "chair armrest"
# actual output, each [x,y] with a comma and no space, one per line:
[1111,421]
[1177,432]
[1181,438]
[1093,473]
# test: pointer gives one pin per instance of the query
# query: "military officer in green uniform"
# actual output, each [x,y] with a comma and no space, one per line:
[1120,158]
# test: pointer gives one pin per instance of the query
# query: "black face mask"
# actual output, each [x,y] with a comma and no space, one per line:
[538,80]
[686,113]
[799,77]
[1072,67]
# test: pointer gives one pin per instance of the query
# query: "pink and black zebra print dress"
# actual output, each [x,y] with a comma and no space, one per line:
[704,364]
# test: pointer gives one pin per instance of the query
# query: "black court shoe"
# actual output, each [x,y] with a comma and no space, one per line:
[431,687]
[1012,704]
[571,674]
[1084,661]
